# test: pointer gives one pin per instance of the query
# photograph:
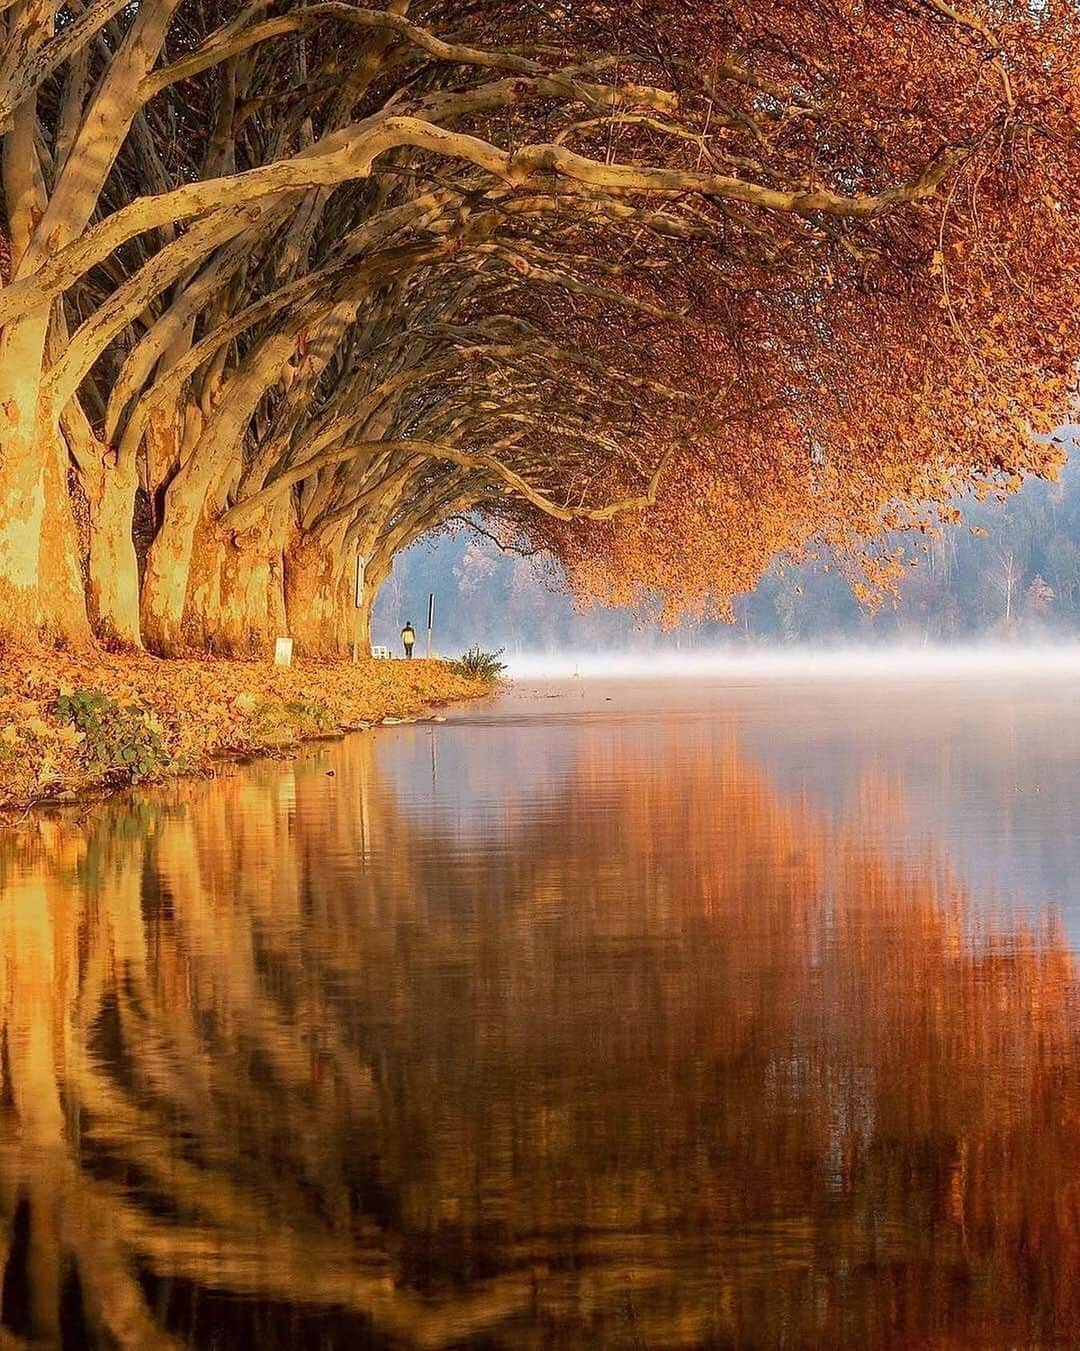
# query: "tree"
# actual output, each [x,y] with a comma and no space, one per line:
[1007,578]
[653,285]
[1039,597]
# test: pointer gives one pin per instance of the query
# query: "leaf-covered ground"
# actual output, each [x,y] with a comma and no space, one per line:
[72,722]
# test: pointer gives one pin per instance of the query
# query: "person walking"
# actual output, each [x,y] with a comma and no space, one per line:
[408,638]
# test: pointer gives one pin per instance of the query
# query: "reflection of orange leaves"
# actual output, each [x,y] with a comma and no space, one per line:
[881,800]
[685,1008]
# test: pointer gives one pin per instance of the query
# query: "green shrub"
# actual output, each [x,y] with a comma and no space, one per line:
[120,741]
[476,664]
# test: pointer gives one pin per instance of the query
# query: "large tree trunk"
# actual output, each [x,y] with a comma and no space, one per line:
[234,604]
[168,564]
[373,580]
[362,622]
[318,598]
[113,571]
[41,587]
[375,573]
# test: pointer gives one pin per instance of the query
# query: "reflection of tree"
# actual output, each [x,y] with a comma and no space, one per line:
[669,1060]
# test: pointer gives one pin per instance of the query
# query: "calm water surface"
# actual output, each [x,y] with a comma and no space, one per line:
[608,1015]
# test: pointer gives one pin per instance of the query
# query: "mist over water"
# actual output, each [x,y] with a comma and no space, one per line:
[974,662]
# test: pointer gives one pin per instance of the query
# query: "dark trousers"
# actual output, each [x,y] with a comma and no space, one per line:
[408,650]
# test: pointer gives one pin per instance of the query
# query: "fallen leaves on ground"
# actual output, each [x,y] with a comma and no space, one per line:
[197,710]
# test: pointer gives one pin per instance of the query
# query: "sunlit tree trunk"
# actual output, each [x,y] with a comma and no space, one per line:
[41,592]
[362,622]
[112,566]
[318,596]
[235,602]
[168,564]
[376,571]
[371,595]
[41,584]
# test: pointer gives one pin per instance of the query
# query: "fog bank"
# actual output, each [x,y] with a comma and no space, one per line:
[986,661]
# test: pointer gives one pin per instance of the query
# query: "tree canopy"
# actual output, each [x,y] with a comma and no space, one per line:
[665,287]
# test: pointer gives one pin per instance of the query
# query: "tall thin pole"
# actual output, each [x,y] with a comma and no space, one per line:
[430,619]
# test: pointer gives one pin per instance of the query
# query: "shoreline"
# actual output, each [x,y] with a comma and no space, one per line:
[81,725]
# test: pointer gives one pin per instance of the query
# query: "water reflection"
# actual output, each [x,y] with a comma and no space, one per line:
[663,1058]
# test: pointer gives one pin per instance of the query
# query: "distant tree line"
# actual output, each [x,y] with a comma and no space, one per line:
[1010,570]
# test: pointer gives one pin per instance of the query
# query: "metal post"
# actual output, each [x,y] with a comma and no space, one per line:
[430,620]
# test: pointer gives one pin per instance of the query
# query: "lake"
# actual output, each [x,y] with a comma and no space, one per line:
[682,1014]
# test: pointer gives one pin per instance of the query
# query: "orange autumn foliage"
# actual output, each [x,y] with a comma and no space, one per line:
[669,286]
[858,376]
